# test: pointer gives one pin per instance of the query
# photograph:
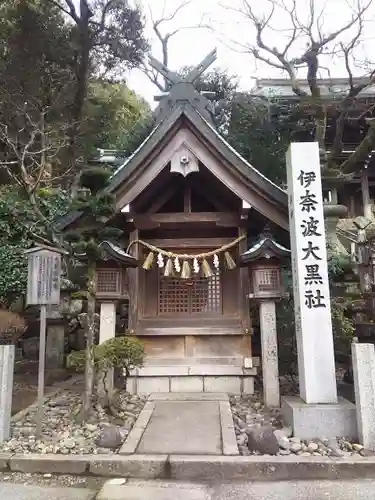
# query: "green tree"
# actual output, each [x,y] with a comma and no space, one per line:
[261,132]
[97,207]
[35,85]
[113,114]
[107,37]
[20,228]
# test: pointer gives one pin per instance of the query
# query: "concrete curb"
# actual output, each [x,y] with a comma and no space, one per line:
[228,434]
[189,467]
[132,441]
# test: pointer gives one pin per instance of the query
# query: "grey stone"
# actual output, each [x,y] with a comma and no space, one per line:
[285,452]
[69,443]
[357,447]
[295,447]
[284,432]
[241,439]
[27,431]
[295,440]
[110,437]
[312,447]
[241,424]
[284,443]
[262,439]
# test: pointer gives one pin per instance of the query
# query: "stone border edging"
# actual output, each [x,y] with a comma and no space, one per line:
[132,441]
[190,467]
[228,433]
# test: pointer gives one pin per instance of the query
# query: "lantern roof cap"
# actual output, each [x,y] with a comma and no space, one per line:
[265,248]
[119,254]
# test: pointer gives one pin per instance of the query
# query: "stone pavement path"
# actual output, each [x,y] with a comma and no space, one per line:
[266,490]
[184,428]
[36,492]
[185,424]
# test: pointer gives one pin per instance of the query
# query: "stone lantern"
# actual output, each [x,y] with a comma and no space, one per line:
[264,260]
[110,288]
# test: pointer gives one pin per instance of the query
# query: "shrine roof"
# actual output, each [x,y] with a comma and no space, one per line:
[207,131]
[187,115]
[184,108]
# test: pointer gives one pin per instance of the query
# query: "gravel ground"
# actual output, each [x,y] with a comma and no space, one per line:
[64,434]
[260,431]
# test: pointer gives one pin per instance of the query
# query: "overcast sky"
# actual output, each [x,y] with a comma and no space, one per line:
[190,46]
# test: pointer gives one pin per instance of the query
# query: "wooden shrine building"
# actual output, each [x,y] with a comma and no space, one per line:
[189,205]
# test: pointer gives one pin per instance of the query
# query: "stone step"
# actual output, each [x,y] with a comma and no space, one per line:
[196,369]
[191,361]
[232,384]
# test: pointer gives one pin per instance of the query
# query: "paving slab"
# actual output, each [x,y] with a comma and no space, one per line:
[188,396]
[154,490]
[285,490]
[29,492]
[183,427]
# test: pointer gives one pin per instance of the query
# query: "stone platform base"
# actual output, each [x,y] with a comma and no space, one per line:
[311,421]
[191,376]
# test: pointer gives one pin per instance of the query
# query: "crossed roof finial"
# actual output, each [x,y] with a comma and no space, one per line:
[182,87]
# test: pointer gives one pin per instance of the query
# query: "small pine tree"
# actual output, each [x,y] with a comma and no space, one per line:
[97,207]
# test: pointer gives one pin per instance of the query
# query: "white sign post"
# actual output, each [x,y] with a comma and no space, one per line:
[316,364]
[43,288]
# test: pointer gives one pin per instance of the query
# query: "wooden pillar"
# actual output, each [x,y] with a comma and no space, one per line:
[367,206]
[244,285]
[133,280]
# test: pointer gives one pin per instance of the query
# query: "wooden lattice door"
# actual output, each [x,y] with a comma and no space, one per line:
[195,296]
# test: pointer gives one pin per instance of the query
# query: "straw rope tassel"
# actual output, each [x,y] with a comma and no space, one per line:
[207,271]
[149,261]
[168,272]
[229,261]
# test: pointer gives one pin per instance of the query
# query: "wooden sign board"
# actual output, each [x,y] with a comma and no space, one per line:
[44,271]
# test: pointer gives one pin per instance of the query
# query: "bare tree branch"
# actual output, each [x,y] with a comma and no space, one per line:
[309,24]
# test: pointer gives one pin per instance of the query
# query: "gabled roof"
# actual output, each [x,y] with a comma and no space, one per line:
[188,116]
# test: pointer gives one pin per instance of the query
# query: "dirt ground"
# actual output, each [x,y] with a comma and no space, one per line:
[25,385]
